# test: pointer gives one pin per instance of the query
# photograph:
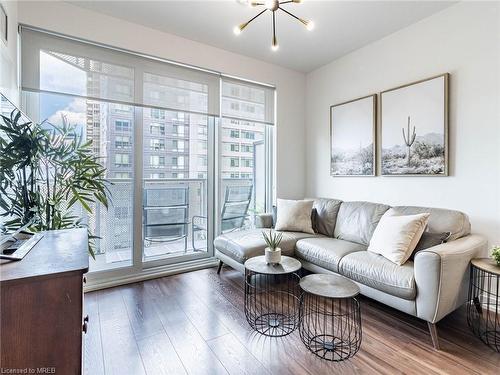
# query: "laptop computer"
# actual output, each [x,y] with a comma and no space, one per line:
[15,245]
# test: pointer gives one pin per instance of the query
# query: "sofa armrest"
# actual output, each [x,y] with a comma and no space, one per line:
[264,220]
[442,276]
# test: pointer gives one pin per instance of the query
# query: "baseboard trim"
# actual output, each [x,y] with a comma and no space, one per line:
[150,273]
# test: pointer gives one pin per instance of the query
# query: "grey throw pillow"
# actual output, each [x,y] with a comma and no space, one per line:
[325,213]
[428,240]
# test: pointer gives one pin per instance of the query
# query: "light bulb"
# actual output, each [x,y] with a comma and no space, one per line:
[308,24]
[274,45]
[238,29]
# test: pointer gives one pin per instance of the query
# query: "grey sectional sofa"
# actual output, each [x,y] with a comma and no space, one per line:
[429,287]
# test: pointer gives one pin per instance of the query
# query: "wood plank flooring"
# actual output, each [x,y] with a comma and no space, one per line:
[194,323]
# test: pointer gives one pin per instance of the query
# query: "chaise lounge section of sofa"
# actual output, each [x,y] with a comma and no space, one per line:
[430,286]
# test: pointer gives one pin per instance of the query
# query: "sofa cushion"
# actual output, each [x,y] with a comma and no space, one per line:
[428,240]
[375,271]
[294,215]
[245,244]
[325,213]
[325,252]
[396,236]
[441,220]
[356,221]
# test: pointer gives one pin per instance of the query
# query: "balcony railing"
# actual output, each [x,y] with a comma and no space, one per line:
[115,225]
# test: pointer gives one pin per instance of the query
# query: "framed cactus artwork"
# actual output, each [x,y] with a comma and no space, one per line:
[352,137]
[414,128]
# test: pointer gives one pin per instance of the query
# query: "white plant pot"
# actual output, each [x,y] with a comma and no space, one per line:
[273,256]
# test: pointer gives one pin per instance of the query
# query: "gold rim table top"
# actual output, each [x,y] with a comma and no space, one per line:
[259,265]
[486,264]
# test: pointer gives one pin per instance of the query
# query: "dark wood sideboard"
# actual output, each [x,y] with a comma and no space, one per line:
[41,305]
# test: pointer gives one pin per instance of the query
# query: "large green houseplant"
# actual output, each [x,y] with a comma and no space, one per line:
[45,171]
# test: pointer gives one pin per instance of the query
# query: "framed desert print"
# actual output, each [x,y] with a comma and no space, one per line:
[352,137]
[414,129]
[3,24]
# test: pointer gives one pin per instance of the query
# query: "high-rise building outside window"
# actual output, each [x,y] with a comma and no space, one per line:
[201,135]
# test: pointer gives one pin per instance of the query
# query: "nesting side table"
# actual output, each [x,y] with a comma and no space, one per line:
[483,304]
[272,295]
[330,316]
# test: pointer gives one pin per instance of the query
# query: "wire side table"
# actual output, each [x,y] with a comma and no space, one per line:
[330,316]
[483,305]
[272,295]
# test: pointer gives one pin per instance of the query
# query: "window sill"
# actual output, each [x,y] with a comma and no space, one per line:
[96,282]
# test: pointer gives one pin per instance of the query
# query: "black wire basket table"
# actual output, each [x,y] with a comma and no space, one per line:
[483,313]
[330,316]
[272,295]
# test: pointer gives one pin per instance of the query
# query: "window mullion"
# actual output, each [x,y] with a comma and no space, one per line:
[137,247]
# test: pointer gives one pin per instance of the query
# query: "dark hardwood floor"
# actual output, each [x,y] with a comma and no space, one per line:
[194,323]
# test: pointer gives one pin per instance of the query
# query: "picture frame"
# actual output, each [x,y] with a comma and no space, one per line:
[353,137]
[4,27]
[413,130]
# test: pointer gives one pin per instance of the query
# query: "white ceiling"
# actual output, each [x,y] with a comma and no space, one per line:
[340,26]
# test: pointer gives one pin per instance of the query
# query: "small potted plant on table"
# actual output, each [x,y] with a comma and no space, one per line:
[273,251]
[495,254]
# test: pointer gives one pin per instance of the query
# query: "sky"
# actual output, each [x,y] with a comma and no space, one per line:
[56,75]
[353,125]
[423,102]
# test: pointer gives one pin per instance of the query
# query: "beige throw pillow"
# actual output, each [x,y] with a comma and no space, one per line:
[294,216]
[396,236]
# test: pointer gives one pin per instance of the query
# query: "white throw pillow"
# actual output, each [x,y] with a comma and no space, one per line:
[396,236]
[294,216]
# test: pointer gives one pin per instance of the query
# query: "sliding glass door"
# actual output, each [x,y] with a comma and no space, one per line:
[188,154]
[175,184]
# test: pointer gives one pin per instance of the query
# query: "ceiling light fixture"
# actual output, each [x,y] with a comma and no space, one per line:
[272,6]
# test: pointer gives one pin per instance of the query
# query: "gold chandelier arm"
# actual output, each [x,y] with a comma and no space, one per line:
[290,14]
[274,27]
[274,44]
[254,17]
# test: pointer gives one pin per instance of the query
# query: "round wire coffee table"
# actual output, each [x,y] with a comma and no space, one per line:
[483,304]
[272,295]
[330,317]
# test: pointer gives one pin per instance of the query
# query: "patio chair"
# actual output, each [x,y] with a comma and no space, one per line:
[237,199]
[166,211]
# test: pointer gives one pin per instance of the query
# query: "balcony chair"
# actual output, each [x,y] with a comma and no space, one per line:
[237,199]
[166,211]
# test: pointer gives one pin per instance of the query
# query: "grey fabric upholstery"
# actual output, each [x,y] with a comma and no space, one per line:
[356,221]
[245,244]
[325,215]
[380,273]
[325,251]
[441,220]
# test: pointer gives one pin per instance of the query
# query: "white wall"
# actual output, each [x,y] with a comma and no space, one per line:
[463,40]
[8,55]
[75,21]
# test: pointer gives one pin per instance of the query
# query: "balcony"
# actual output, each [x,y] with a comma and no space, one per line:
[169,206]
